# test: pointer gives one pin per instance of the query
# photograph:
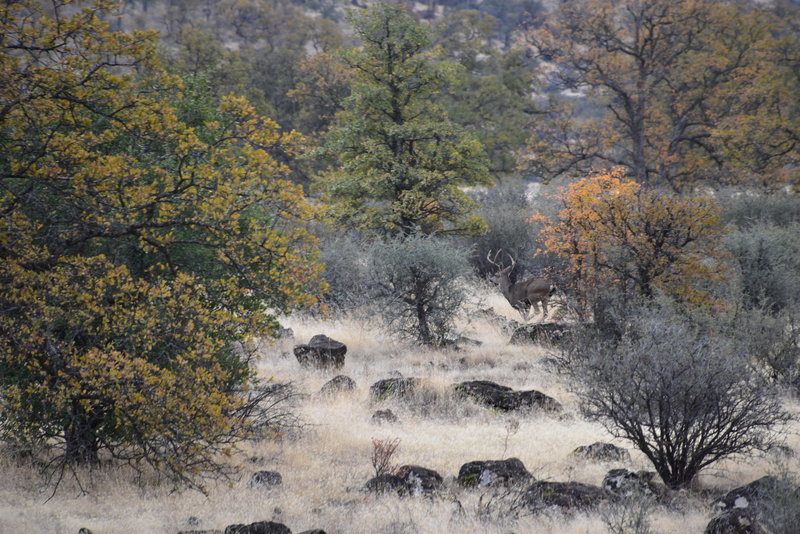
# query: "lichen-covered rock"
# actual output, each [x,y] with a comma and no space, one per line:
[567,495]
[753,495]
[321,352]
[420,480]
[410,480]
[265,479]
[504,398]
[624,483]
[393,388]
[383,416]
[602,452]
[338,384]
[259,527]
[735,521]
[484,473]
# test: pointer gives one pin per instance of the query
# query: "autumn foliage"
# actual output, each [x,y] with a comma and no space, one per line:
[615,234]
[140,239]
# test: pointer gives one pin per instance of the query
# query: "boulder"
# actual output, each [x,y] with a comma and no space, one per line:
[735,521]
[383,416]
[259,527]
[568,495]
[321,352]
[755,495]
[602,452]
[410,480]
[420,480]
[624,483]
[393,388]
[338,384]
[265,479]
[540,333]
[480,474]
[504,398]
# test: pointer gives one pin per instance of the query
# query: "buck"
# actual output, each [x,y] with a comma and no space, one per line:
[521,295]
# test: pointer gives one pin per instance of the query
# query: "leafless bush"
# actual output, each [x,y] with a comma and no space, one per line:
[382,452]
[628,516]
[684,396]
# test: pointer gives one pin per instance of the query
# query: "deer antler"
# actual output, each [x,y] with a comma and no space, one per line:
[493,261]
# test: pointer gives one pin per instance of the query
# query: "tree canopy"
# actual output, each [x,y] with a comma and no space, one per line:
[145,229]
[400,162]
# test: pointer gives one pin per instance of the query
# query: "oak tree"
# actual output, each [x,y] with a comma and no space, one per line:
[145,231]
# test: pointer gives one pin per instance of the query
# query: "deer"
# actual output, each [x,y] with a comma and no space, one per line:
[521,295]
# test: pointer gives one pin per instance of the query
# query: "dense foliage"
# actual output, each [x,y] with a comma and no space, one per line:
[145,230]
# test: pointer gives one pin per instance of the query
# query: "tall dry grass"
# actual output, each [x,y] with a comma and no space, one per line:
[325,466]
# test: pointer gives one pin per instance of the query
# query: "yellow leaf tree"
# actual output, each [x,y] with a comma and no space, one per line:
[141,239]
[614,234]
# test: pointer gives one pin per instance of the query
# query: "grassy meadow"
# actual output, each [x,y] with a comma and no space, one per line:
[325,465]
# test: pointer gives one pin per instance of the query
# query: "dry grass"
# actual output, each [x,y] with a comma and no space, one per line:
[325,467]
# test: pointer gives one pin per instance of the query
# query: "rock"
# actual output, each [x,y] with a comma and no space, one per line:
[410,480]
[504,398]
[420,480]
[260,527]
[493,473]
[393,387]
[321,352]
[313,531]
[569,495]
[265,479]
[84,530]
[338,384]
[754,495]
[384,416]
[624,483]
[539,333]
[602,452]
[735,521]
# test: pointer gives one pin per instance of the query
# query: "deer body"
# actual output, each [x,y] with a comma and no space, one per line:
[523,295]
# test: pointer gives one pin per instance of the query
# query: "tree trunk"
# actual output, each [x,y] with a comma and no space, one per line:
[80,435]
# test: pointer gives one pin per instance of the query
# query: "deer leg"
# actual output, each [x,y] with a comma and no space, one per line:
[544,309]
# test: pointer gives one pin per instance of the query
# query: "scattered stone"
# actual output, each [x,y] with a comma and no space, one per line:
[569,495]
[602,452]
[735,521]
[321,352]
[420,480]
[84,530]
[753,495]
[338,384]
[393,387]
[539,333]
[193,521]
[265,479]
[479,474]
[384,416]
[260,527]
[624,483]
[504,398]
[410,480]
